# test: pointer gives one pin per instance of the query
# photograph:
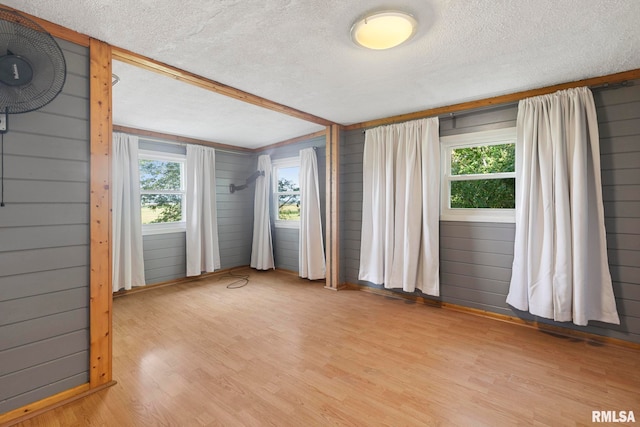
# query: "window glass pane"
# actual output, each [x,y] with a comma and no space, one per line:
[289,207]
[161,208]
[484,193]
[159,175]
[288,179]
[483,159]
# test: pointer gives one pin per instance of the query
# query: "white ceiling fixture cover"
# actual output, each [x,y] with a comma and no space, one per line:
[383,30]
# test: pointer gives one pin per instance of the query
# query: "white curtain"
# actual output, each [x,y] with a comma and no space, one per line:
[401,206]
[128,261]
[560,266]
[203,253]
[311,254]
[262,247]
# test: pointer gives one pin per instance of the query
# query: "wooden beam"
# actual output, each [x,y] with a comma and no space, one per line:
[211,85]
[292,141]
[54,29]
[100,214]
[176,138]
[186,140]
[332,240]
[498,100]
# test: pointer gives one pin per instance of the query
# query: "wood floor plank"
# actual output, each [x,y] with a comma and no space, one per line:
[283,351]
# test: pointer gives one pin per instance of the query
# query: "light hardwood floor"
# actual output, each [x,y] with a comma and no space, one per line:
[286,352]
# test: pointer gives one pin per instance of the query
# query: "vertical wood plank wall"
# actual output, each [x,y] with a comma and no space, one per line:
[285,240]
[44,244]
[476,258]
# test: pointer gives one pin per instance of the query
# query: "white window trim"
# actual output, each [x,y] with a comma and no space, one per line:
[169,227]
[473,139]
[282,163]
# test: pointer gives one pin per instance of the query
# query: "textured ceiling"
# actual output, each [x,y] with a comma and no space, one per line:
[298,53]
[151,101]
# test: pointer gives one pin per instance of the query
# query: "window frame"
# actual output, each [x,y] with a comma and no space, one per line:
[167,227]
[467,140]
[281,164]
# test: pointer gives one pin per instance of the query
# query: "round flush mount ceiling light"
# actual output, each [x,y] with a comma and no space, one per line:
[383,30]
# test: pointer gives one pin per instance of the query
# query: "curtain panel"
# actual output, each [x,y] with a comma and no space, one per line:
[560,267]
[203,253]
[262,246]
[401,206]
[128,259]
[311,257]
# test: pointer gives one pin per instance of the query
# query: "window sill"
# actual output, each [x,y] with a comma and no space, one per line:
[287,224]
[491,216]
[152,229]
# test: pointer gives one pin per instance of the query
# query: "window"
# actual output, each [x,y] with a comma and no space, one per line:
[162,192]
[286,192]
[479,177]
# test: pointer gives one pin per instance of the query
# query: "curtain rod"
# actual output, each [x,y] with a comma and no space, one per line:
[184,144]
[624,83]
[453,115]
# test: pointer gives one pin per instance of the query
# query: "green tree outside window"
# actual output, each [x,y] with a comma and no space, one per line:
[483,193]
[158,179]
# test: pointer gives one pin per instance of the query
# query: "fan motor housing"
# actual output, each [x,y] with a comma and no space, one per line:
[15,70]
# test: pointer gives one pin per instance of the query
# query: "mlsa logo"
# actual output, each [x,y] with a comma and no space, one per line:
[613,417]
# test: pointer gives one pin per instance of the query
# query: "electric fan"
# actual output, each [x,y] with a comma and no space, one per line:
[32,66]
[32,71]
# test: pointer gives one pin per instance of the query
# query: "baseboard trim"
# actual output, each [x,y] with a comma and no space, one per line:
[543,327]
[31,410]
[284,270]
[179,281]
[297,274]
[206,276]
[339,288]
[392,294]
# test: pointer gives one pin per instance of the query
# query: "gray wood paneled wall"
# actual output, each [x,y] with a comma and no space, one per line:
[285,240]
[476,258]
[165,254]
[165,257]
[44,245]
[235,211]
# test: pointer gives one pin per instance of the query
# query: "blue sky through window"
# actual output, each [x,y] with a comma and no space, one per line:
[290,173]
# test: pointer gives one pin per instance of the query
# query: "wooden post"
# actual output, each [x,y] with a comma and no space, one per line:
[100,213]
[332,207]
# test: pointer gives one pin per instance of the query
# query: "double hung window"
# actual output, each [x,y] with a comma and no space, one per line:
[286,192]
[162,191]
[479,176]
